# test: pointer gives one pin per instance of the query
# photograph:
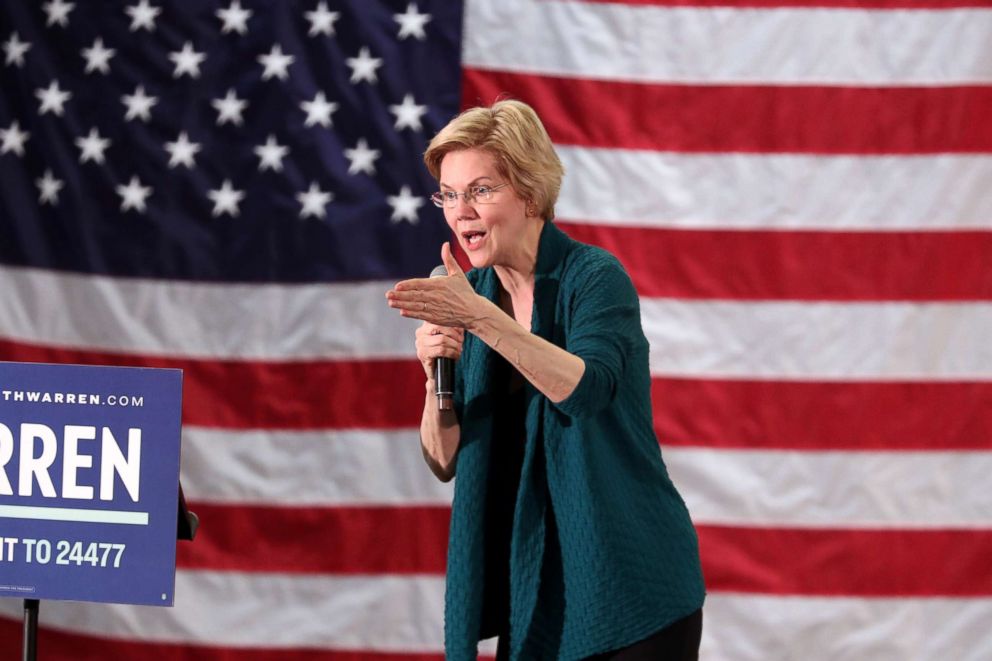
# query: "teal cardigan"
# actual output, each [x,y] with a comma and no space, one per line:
[603,552]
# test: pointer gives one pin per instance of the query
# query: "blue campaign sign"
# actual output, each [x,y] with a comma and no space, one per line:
[89,482]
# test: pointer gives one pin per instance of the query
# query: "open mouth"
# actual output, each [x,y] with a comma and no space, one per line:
[473,238]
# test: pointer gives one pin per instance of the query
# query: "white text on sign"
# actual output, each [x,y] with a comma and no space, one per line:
[34,467]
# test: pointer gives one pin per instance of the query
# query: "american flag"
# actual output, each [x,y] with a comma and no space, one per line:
[801,192]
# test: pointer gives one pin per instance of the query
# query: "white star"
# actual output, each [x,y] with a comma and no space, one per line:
[58,12]
[133,195]
[13,139]
[412,23]
[235,18]
[142,16]
[15,49]
[187,61]
[226,199]
[229,108]
[98,57]
[52,99]
[404,206]
[314,201]
[321,20]
[276,63]
[92,147]
[319,110]
[363,67]
[182,151]
[408,114]
[49,187]
[138,104]
[271,154]
[362,158]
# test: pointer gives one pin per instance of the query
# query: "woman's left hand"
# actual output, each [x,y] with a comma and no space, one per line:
[445,301]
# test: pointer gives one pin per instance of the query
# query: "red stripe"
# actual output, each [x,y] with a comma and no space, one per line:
[688,412]
[743,118]
[867,563]
[56,645]
[318,540]
[804,4]
[275,395]
[400,540]
[803,265]
[823,416]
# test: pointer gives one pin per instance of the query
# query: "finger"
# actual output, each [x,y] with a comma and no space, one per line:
[416,312]
[454,332]
[445,352]
[427,329]
[415,286]
[449,331]
[406,297]
[408,285]
[449,260]
[427,310]
[442,340]
[428,345]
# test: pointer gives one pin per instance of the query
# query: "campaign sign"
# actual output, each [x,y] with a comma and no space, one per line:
[89,482]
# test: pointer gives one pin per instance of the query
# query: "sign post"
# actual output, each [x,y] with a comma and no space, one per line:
[30,629]
[89,485]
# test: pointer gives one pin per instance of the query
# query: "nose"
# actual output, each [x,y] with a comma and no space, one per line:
[463,209]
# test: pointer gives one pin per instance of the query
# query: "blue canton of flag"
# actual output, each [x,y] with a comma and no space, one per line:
[222,141]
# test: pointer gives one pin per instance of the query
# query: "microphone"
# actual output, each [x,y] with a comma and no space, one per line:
[444,368]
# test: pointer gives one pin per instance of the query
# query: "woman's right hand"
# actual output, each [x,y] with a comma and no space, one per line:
[435,342]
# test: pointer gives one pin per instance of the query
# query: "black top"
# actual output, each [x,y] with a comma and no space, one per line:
[506,460]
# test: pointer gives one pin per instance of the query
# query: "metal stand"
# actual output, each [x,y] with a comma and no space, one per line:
[30,630]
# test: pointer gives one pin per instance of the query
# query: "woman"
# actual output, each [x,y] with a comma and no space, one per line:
[567,537]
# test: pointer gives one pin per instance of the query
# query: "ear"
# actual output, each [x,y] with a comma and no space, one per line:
[449,260]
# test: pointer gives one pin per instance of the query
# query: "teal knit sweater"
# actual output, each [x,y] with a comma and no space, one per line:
[603,552]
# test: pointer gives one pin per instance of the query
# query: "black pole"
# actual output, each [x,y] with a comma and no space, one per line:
[30,630]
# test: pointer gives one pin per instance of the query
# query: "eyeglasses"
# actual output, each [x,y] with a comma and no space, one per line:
[474,195]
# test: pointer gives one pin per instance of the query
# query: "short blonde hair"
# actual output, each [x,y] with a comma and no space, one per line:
[513,133]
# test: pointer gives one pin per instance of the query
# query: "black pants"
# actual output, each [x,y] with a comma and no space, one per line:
[679,641]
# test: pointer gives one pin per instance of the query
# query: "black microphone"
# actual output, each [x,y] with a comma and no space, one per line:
[444,368]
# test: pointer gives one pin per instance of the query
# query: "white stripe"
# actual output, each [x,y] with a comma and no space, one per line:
[819,341]
[73,514]
[749,627]
[729,487]
[834,489]
[724,45]
[303,468]
[775,191]
[230,609]
[233,609]
[692,338]
[217,321]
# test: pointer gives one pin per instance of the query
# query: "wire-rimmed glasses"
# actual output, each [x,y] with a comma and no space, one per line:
[480,194]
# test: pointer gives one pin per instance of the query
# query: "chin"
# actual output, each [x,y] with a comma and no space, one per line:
[479,261]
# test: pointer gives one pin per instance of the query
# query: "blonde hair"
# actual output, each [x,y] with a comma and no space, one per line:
[513,133]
